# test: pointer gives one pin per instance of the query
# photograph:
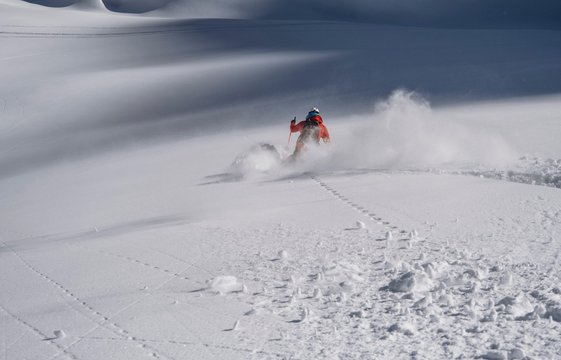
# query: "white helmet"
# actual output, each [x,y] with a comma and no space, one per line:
[314,109]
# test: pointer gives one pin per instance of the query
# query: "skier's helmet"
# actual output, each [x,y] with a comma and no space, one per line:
[313,112]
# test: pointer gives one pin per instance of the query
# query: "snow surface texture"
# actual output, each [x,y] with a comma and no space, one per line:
[145,211]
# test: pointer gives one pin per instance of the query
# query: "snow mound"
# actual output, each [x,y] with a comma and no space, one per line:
[411,282]
[59,334]
[516,306]
[224,284]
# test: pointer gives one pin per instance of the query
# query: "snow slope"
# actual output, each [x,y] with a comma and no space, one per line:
[429,228]
[430,13]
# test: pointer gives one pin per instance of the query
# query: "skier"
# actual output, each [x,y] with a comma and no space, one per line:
[311,129]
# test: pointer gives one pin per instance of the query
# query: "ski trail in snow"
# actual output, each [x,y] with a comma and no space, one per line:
[178,275]
[122,332]
[96,317]
[175,275]
[369,214]
[211,312]
[194,334]
[191,265]
[42,335]
[189,343]
[129,306]
[404,235]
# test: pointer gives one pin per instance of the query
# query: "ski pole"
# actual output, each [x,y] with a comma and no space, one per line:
[290,134]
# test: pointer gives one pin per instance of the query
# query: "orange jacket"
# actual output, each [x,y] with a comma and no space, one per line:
[323,132]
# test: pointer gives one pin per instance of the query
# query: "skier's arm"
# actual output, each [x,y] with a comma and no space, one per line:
[296,127]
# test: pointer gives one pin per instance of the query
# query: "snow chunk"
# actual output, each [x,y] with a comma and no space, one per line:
[409,282]
[517,306]
[405,283]
[224,284]
[435,269]
[59,334]
[424,302]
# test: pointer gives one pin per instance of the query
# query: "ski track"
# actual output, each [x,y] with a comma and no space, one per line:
[211,312]
[121,332]
[96,317]
[187,343]
[200,342]
[360,209]
[157,353]
[191,265]
[176,275]
[42,335]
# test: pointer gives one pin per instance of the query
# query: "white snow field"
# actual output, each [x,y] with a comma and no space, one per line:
[140,218]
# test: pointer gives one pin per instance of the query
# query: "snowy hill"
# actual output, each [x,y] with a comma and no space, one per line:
[138,218]
[430,13]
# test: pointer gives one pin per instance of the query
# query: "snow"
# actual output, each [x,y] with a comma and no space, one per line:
[145,210]
[224,284]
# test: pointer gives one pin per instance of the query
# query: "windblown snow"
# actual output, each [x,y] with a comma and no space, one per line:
[148,210]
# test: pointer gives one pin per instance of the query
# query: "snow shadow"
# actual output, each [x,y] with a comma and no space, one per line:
[374,59]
